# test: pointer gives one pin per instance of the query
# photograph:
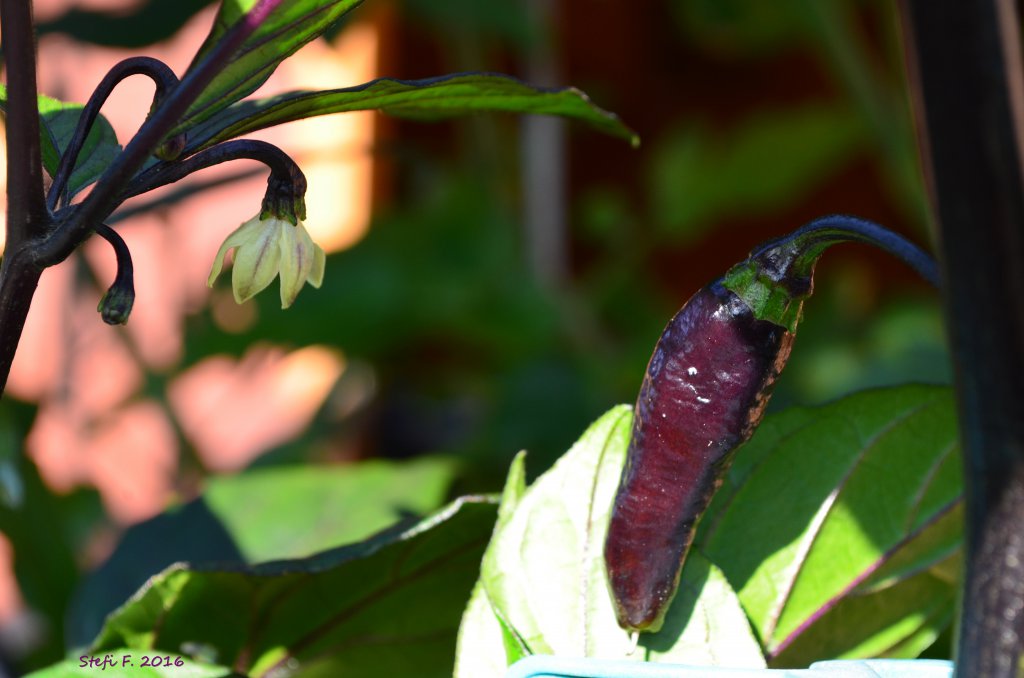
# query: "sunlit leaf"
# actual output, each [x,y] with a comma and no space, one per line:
[859,492]
[291,512]
[487,644]
[481,649]
[897,623]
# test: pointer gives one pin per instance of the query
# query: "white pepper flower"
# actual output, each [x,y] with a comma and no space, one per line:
[265,248]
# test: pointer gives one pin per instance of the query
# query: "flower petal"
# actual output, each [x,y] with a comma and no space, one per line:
[257,260]
[237,237]
[316,274]
[307,249]
[296,260]
[218,263]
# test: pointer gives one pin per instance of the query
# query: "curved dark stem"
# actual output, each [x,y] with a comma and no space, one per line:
[164,79]
[181,194]
[105,195]
[798,251]
[282,167]
[116,304]
[125,270]
[778,276]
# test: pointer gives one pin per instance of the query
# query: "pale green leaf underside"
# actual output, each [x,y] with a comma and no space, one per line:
[544,575]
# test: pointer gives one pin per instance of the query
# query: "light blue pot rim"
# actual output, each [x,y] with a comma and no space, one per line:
[541,666]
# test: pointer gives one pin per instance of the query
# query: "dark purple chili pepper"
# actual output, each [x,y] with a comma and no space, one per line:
[704,393]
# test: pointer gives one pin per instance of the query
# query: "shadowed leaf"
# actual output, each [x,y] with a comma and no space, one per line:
[386,606]
[263,514]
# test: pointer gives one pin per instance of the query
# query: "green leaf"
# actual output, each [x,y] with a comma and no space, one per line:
[287,28]
[858,492]
[543,573]
[515,488]
[77,667]
[58,120]
[386,606]
[940,541]
[897,623]
[290,512]
[431,98]
[487,645]
[482,648]
[264,514]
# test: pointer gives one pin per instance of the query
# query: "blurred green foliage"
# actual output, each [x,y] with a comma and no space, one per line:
[725,179]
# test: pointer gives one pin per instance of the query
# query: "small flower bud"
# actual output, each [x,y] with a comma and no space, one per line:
[170,148]
[116,304]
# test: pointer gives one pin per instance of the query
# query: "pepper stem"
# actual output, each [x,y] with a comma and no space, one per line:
[116,304]
[777,277]
[286,186]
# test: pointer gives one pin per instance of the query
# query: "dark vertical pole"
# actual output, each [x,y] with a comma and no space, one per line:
[27,216]
[965,63]
[25,206]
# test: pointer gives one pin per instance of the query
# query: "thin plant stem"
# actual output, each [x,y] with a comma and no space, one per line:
[281,166]
[162,76]
[116,305]
[805,245]
[180,194]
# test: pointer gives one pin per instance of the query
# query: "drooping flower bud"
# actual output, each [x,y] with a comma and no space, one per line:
[116,304]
